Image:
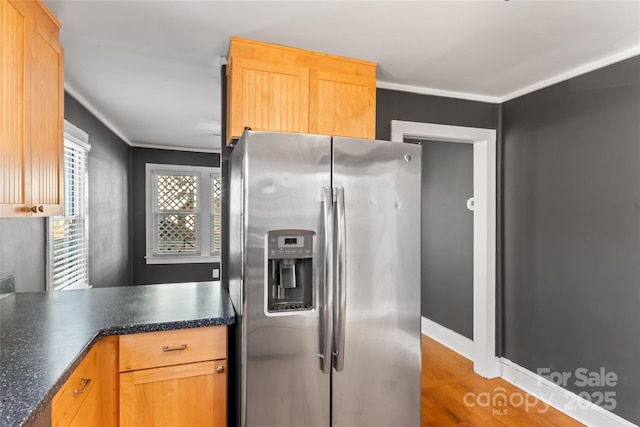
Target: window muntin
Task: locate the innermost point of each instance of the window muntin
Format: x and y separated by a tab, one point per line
183	214
216	216
176	213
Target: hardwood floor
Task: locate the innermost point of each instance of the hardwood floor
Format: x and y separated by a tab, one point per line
453	395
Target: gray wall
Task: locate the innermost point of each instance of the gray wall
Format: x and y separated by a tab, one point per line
395	105
22	252
144	273
447	235
572	229
109	227
456	312
23	241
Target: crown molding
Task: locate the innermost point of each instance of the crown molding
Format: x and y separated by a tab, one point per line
176	148
575	72
93	110
438	92
558	78
583	69
86	104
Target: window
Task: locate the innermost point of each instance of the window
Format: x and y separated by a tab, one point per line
183	214
68	235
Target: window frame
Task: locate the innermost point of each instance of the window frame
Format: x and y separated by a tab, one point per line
206	211
76	139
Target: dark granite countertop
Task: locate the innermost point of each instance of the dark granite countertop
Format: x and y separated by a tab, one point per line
45	335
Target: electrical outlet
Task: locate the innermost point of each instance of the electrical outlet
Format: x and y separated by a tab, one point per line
216	273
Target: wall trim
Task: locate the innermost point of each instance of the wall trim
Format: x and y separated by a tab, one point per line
558	78
175	148
86	104
560	398
438	92
485	362
542	389
575	72
445	336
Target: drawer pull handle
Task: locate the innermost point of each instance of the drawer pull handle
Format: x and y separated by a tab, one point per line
84	382
182	347
220	369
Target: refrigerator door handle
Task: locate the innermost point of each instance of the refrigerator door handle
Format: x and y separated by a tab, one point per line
326	310
341	290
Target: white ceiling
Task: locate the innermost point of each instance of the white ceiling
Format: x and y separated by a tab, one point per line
150	69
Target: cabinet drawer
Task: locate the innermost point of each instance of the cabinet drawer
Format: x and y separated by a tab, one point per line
182	395
155	349
73	393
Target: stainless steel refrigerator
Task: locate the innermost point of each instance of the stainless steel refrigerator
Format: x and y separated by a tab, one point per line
324	275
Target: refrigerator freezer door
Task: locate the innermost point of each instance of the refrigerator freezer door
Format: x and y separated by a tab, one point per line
379	384
284	175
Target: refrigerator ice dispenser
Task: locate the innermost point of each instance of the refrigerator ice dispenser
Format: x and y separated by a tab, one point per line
289	280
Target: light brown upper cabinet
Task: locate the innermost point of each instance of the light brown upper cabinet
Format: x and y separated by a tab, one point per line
31	110
278	88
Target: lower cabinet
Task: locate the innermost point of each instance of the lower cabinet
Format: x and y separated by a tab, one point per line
90	413
77	394
174	378
170	378
89	397
181	395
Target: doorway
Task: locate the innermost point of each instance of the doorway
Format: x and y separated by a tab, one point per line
447	242
483	142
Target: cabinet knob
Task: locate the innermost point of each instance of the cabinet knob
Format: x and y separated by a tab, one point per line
220	369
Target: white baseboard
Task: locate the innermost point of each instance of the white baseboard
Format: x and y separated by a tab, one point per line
456	342
560	398
544	390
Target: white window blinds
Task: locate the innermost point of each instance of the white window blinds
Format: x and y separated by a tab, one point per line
68	242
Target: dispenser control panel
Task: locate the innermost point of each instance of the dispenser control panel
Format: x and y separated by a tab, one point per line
288	283
290	244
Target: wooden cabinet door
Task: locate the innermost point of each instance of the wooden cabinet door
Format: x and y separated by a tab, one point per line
76	390
46	104
190	395
12	108
90	412
265	96
107	361
31	111
342	104
95	402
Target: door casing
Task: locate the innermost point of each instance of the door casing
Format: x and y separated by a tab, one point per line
485	362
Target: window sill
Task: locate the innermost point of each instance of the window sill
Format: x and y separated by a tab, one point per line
184	259
75	286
